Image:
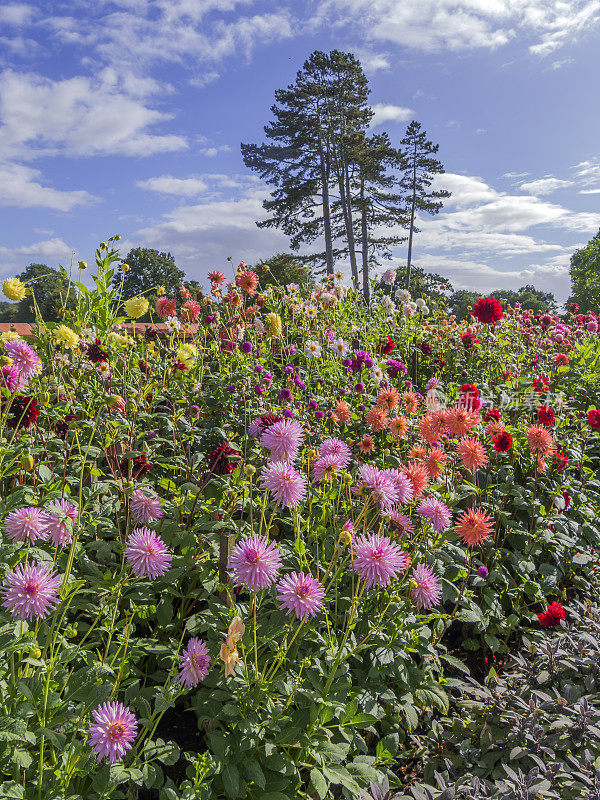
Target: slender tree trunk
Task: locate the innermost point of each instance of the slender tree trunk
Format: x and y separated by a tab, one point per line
412	220
350	228
324	169
364	235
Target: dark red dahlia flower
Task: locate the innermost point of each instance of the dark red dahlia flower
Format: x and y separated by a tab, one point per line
96	353
219	461
560	461
468	340
425	348
23	412
488	310
503	442
139	466
468	397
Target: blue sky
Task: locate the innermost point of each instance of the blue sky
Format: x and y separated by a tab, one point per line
126	117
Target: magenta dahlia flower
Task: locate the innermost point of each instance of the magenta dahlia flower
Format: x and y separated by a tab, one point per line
113	731
378	560
194	664
147	554
26	525
30	591
336	447
438	514
286	485
23	357
283	439
300	593
427	591
61	516
145	506
255	562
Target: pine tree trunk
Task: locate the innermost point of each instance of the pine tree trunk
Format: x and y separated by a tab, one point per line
324	169
350	229
364	233
412	221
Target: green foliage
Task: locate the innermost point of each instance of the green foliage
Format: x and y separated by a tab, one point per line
283	269
148	269
585	275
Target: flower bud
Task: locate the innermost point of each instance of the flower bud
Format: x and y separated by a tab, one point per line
345	538
27	462
249	470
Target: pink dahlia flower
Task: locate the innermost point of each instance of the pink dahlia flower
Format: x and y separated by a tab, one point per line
145	506
330	465
403	484
190	311
377	560
300	593
30	591
147	554
26	525
428	590
336	447
283	439
61	516
113	731
255	562
9	378
380	485
24	358
286	485
194	664
438	514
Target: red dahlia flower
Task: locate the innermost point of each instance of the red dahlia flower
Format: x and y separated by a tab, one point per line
468	397
560	461
96	353
468	340
593	417
219	462
552	617
546	415
490	414
386	346
488	310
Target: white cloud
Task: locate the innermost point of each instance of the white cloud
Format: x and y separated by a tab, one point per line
545	186
386	112
167	184
432	25
589	191
16	14
15	259
20	186
76	117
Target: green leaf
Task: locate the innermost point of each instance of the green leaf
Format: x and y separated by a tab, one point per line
320	785
231	780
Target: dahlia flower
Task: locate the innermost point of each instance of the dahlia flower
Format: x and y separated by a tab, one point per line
472	453
427	591
438	514
194	664
60	517
23	357
112	732
286	485
474	525
338	448
25	525
14	289
378	560
30	591
283	439
145	506
255	562
300	593
147	554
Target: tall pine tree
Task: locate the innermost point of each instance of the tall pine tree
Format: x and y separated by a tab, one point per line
307	156
419	170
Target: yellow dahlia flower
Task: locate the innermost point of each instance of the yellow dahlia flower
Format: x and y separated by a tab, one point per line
13	289
274	327
136	307
66	336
